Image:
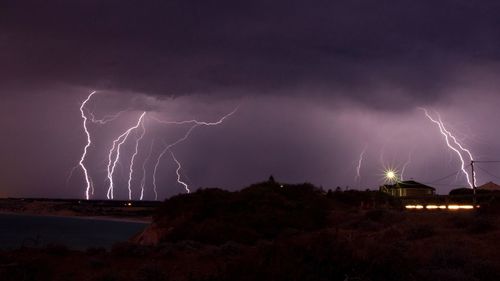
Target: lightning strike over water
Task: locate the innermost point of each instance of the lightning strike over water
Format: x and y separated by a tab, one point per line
131	165
114	153
143	180
177	171
117	143
88	180
169	146
447	135
165	150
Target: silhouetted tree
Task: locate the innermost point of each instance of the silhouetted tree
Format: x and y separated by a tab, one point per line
271	179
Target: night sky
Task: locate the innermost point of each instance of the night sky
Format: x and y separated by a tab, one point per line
316	82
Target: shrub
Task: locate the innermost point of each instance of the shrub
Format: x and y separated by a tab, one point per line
391	263
97	263
461	221
376	215
130	249
92	251
32	270
420	232
448	256
485	270
261	211
481	225
109	276
57	249
151	272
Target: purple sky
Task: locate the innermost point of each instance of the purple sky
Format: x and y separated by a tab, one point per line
317	82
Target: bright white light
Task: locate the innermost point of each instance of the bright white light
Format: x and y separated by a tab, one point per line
451	207
391	175
467	207
458	207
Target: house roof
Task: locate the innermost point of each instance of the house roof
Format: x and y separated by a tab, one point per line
409	184
489	186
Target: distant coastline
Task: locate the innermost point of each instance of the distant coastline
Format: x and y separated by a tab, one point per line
144	220
123	211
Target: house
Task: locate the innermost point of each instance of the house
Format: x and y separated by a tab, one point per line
489	186
408	189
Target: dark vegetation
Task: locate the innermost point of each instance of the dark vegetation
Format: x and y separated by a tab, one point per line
270	231
468	191
262	211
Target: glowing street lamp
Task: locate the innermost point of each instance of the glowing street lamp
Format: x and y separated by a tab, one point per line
391	176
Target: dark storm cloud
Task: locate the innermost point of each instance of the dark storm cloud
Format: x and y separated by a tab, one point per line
317	81
354	49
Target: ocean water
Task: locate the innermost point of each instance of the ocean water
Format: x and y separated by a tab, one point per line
76	233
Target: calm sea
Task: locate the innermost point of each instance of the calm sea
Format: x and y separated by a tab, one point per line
76	233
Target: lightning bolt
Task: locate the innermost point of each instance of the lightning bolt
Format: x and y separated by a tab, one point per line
177	171
113	157
106	118
143	180
88	180
87	116
167	148
194	121
467	151
131	165
447	136
117	143
358	167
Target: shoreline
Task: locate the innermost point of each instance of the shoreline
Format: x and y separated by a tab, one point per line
141	220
